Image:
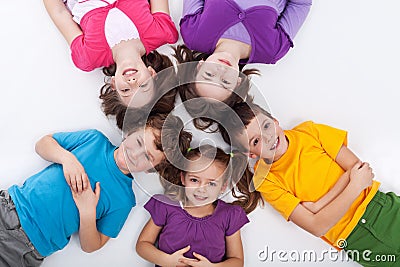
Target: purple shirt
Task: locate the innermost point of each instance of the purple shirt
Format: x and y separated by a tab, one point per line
205	235
279	27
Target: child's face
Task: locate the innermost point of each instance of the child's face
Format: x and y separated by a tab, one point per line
134	85
204	186
138	152
266	138
216	78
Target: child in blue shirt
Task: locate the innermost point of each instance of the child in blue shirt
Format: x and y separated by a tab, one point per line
88	189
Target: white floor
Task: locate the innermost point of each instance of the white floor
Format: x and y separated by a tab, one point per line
343	71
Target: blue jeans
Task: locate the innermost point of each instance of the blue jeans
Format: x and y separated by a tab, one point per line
15	248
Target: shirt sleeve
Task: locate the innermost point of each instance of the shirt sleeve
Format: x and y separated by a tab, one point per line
331	139
192	6
279	198
293	16
80	55
157	210
72	140
112	223
237	218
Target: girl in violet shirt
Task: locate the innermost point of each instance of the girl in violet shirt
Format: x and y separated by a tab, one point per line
120	35
191	226
233	32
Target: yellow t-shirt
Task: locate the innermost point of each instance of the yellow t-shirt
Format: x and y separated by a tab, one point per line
306	172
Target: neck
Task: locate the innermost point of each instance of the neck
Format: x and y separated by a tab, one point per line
237	49
200	211
121	165
131	50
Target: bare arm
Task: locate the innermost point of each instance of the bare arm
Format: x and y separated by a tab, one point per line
146	249
62	18
319	223
75	175
159	6
90	238
346	159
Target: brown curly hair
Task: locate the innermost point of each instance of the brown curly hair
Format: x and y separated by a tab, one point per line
112	105
236	168
201	109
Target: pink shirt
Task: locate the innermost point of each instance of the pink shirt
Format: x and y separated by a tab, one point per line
91	49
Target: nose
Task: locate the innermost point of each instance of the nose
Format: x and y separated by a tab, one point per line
137	153
201	188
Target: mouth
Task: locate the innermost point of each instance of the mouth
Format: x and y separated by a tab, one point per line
200	198
226	62
276	144
129	72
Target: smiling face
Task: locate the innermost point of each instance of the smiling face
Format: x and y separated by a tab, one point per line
217	77
134	85
266	139
203	186
138	152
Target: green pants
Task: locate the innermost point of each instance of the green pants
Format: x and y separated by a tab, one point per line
375	241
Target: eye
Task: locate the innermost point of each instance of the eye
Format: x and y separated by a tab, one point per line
209	74
225	82
147	157
139	142
213	184
143	85
193	180
255	142
266	126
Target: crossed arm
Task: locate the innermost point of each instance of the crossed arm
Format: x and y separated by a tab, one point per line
321	216
146	249
85	198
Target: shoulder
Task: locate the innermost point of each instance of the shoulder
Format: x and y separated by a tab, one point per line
230	209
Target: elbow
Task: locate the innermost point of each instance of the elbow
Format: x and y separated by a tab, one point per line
90	249
319	228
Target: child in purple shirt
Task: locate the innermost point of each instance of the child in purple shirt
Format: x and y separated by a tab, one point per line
236	32
191	225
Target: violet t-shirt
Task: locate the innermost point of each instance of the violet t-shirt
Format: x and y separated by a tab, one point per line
205	235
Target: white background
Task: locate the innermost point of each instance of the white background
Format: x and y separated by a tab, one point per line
343	71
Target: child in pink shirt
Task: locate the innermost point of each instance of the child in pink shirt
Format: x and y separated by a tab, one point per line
103	32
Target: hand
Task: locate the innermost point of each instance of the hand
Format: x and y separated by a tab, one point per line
311	206
200	262
361	175
173	259
86	201
75	174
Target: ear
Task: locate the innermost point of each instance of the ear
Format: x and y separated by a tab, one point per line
239	81
152	71
182	179
224	186
252	155
199	64
113	83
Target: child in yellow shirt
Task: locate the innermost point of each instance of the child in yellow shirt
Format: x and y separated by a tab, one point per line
313	179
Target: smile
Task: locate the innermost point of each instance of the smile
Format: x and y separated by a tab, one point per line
129	72
226	62
275	144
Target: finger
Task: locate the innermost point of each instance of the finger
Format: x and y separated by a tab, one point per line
357	165
79	183
200	257
85	181
97	190
73	183
187	261
185	249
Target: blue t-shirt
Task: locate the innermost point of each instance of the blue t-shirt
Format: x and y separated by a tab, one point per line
44	202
